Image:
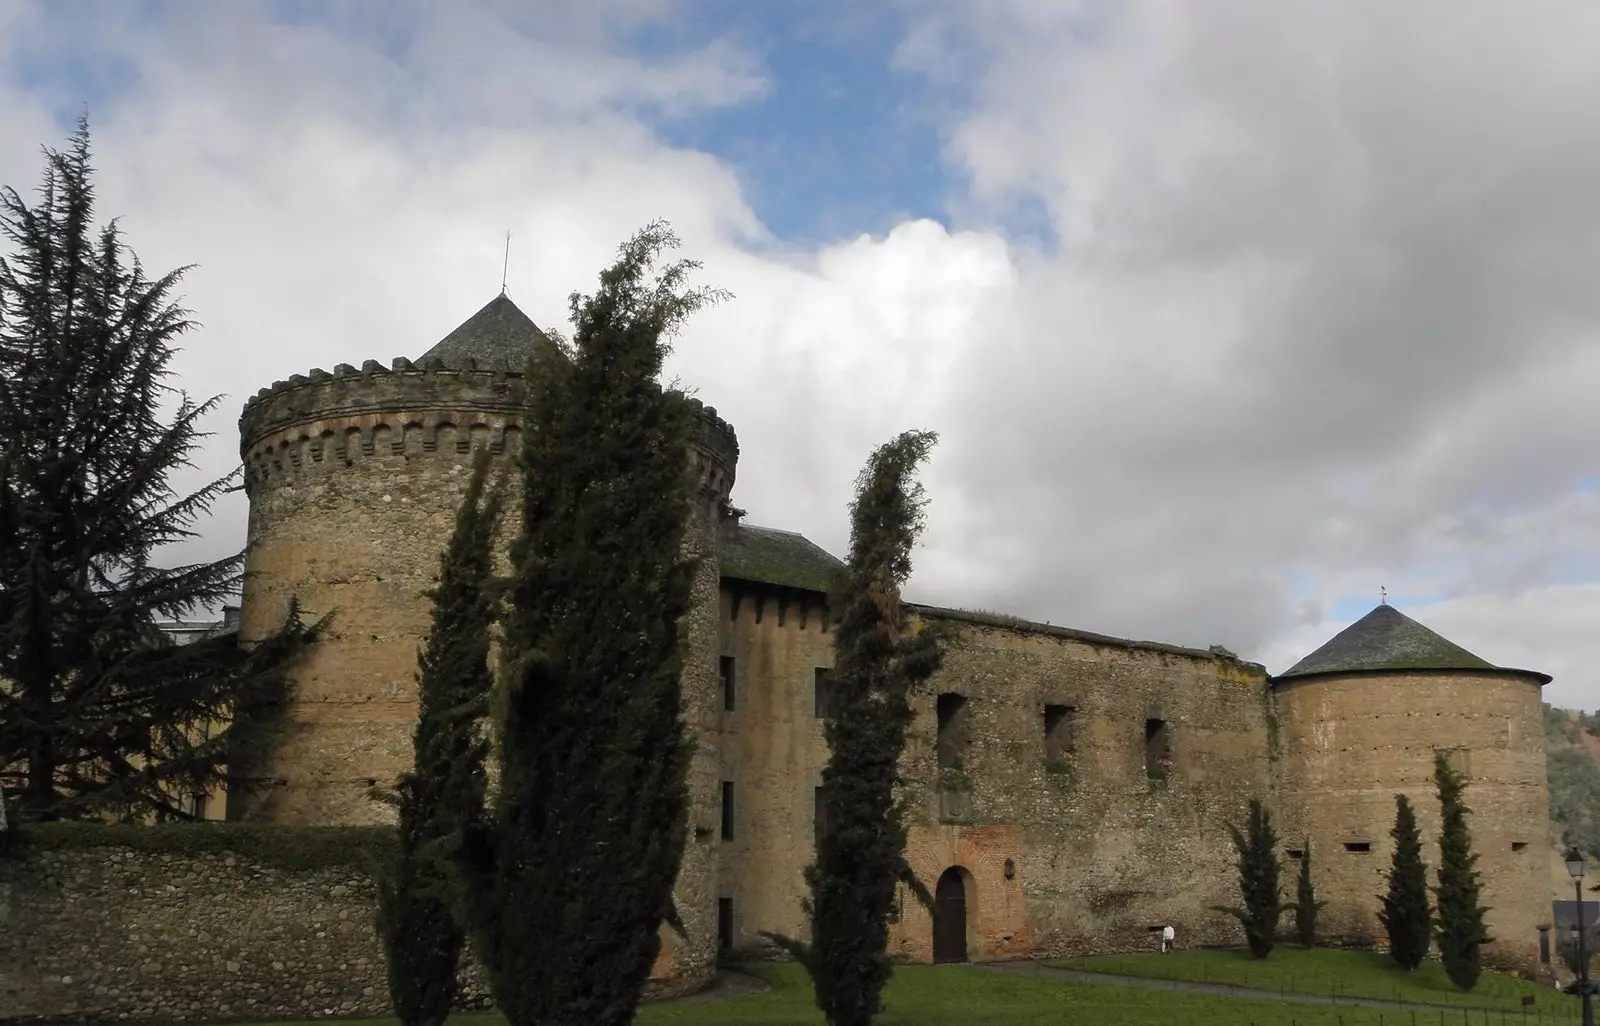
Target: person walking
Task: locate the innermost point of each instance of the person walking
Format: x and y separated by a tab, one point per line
1169	938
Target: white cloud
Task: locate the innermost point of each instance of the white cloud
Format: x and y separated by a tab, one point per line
1323	315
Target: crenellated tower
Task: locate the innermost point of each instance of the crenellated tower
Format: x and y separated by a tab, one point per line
354	478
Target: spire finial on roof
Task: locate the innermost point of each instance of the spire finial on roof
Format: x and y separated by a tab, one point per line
506	266
1383	595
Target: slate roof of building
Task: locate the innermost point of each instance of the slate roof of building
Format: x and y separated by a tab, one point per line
766	555
498	335
1387	639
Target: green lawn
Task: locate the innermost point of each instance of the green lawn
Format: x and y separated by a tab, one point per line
1365	974
963	996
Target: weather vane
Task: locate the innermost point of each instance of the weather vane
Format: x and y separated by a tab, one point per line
1383	595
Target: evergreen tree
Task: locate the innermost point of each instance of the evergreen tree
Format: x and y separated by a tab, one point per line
1461	929
99	712
1258	881
573	873
1405	913
1306	905
877	666
444	792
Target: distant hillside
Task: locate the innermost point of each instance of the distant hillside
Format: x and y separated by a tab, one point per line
1573	753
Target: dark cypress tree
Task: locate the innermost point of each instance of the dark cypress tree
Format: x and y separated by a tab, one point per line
417	904
1258	881
101	713
1306	905
1405	913
1460	930
877	666
573	872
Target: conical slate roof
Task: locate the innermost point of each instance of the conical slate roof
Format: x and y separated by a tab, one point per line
498	335
1386	639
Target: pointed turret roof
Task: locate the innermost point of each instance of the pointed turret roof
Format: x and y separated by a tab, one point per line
1387	639
499	334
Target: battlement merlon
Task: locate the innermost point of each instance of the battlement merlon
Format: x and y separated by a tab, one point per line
405	386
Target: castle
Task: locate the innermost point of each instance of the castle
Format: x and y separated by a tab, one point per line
1069	792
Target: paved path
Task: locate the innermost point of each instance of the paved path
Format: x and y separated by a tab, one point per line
726	984
1040	970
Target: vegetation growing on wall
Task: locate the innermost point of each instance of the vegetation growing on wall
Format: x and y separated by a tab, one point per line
1460	928
572	873
1306	905
295	849
99	712
1257	847
1405	914
861	852
417	904
1574	778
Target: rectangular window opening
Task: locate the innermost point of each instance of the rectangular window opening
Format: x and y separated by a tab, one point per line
727	810
1157	748
724	924
952	743
822	693
1296	853
1519	845
1358	846
1058	732
727	682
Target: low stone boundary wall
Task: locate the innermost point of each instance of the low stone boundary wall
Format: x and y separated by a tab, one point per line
203	921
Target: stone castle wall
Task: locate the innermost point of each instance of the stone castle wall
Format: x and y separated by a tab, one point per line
354	481
1352	742
1099	851
122	933
773	754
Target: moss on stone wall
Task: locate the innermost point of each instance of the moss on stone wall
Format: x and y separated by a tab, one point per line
299	849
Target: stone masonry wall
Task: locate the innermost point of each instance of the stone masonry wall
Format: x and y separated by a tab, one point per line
773	754
354	481
126	933
1100	852
1353	741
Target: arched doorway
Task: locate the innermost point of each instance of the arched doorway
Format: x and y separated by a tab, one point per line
950	918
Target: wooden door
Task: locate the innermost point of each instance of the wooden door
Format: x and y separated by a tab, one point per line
950	918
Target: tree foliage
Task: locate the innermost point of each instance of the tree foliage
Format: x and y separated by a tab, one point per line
99	712
572	873
1574	779
860	859
1460	922
417	905
1257	847
1306	905
1405	914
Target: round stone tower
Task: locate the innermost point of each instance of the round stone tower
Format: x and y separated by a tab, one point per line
1361	719
354	478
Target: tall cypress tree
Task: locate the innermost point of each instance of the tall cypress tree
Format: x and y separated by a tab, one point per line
1461	930
861	851
101	713
444	792
1306	905
1257	847
573	872
1405	914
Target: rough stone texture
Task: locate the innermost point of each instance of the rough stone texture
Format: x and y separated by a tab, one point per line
354	479
1353	741
108	933
1101	851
